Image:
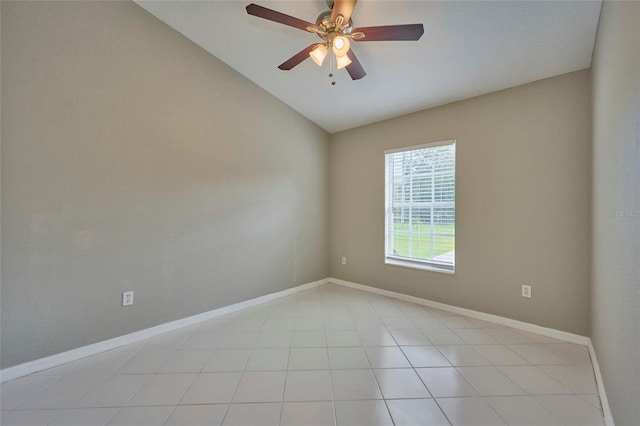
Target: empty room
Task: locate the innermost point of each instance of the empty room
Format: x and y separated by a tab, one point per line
320	212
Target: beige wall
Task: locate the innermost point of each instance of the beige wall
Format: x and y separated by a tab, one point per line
134	160
615	296
522	199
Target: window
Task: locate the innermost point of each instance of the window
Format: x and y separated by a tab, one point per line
420	206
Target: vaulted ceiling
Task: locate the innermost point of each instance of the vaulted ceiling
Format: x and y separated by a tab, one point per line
469	48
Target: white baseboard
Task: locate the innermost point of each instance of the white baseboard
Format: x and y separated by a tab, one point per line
95	348
604	401
520	325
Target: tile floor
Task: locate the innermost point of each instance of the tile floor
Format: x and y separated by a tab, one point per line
330	355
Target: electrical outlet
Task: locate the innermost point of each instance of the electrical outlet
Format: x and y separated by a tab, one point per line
526	290
127	298
344	260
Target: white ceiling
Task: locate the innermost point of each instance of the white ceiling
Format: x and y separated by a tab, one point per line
469	48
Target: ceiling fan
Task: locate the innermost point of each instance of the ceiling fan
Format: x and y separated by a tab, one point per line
335	28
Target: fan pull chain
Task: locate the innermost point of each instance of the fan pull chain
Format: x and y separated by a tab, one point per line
331	59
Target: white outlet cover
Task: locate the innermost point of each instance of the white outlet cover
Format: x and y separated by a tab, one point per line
344	260
526	291
127	298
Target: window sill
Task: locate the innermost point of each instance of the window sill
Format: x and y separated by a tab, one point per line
419	265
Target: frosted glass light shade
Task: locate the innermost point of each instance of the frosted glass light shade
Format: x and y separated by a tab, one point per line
318	54
342	61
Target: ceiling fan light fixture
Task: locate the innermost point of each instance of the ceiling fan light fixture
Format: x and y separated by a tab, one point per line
342	61
341	45
318	54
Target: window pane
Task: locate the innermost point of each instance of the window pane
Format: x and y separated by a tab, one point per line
420	194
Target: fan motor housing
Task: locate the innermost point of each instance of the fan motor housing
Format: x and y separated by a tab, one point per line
323	21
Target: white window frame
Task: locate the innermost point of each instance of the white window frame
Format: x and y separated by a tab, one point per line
390	259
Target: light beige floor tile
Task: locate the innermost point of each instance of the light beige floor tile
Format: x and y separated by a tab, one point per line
572	354
400	383
339	323
115	391
368	323
308	359
142	416
63	393
163	389
308	339
253	414
307	414
348	358
462	355
167	341
197	415
268	360
354	384
469	411
593	399
533	380
16	391
412	310
410	338
571	377
415	412
499	355
238	340
442	336
475	336
376	338
537	338
202	341
429	323
276	323
212	388
214	325
308	386
445	382
506	336
387	357
537	354
145	362
522	410
571	410
425	356
343	338
86	417
456	322
362	413
247	324
399	323
489	381
186	361
30	417
227	360
274	339
308	323
260	386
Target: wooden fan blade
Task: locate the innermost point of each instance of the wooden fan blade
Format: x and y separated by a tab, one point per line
344	8
297	58
354	69
272	15
390	32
